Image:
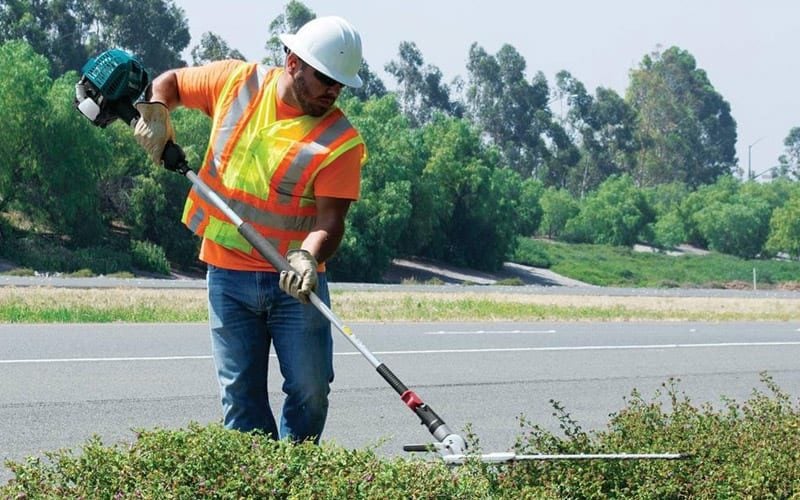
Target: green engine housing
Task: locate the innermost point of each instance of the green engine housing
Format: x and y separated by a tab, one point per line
118	75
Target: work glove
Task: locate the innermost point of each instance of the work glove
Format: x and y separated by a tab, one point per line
153	129
301	280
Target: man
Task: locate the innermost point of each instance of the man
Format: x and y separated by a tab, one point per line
286	159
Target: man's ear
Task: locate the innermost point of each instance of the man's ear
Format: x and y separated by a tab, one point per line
292	63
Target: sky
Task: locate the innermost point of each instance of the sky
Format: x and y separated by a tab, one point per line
747	48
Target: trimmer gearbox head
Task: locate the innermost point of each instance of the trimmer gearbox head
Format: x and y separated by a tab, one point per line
110	83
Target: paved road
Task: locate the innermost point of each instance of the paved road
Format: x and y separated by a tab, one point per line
60	384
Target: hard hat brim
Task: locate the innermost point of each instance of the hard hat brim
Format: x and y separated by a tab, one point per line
288	40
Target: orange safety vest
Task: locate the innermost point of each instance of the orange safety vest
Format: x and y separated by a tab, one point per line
262	168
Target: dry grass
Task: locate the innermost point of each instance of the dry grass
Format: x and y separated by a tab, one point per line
499	306
104	298
190	305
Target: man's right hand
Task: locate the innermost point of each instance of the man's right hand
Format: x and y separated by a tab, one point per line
153	129
301	280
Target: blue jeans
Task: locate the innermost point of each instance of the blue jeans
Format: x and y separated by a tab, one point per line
247	313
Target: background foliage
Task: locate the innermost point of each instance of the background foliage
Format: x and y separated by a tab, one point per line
459	171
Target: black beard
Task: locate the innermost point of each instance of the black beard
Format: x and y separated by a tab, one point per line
302	94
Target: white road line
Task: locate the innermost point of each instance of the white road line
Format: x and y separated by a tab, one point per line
99	360
431	351
481	332
585	348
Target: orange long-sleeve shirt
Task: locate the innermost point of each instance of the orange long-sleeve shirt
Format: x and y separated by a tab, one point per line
200	88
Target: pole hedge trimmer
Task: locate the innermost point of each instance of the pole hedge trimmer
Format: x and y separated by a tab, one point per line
109	86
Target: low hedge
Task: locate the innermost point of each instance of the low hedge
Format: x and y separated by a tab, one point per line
736	450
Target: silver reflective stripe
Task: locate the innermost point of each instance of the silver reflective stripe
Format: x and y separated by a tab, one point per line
227	124
212	164
271	219
196	219
263	217
261	73
303	158
300	162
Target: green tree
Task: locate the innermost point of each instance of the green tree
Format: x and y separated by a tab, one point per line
67	170
513	114
729	217
775	193
602	127
213	48
721	191
784	229
23	116
421	90
789	162
468	197
666	198
525	195
616	214
158	40
558	207
68	31
684	126
379	220
152	198
295	15
739	229
49	154
669	229
373	86
54	29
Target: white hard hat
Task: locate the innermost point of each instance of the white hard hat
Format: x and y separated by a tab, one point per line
330	45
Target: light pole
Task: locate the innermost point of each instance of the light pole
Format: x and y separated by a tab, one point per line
749	156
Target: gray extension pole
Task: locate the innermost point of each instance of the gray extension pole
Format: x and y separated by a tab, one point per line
451	446
276	259
449	443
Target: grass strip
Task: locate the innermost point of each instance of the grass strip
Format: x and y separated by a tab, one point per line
67	305
62	305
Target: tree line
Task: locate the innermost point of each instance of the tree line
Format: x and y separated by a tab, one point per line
457	171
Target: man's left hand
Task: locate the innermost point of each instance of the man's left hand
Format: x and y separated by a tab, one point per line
302	279
153	129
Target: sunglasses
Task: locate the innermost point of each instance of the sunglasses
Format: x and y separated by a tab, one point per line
325	79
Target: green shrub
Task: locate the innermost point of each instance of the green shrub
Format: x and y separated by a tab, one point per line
616	214
668	231
735	228
46	253
212	462
741	450
532	253
20	271
149	257
99	259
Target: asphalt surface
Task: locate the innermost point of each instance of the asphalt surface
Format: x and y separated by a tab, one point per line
61	384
